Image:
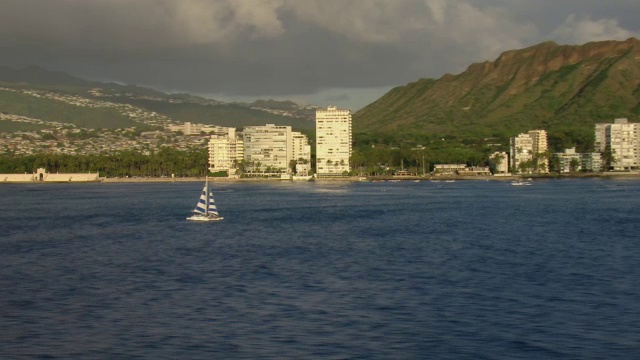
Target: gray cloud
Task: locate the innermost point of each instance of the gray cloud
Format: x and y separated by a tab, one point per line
295	48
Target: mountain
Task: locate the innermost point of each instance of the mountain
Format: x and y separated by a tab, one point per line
563	89
37	75
21	94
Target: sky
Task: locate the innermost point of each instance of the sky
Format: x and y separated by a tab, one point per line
346	53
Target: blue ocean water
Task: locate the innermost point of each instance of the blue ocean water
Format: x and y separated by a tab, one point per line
402	270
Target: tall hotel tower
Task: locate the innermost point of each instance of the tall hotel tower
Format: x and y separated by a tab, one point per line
333	141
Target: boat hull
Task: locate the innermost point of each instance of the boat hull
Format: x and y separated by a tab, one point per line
204	218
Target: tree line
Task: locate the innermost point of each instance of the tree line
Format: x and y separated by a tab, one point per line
131	163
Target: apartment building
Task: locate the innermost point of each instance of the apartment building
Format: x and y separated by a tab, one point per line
500	161
189	128
571	161
592	162
568	161
301	153
267	148
527	152
520	151
333	141
622	139
600	143
226	150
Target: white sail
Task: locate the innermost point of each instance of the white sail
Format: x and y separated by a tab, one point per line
206	209
201	206
212	205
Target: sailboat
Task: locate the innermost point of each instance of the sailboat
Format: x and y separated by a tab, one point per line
206	207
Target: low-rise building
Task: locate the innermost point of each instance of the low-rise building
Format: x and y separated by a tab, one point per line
448	169
592	162
475	171
500	161
571	161
568	161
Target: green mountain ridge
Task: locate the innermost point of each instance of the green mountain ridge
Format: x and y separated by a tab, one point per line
178	107
564	89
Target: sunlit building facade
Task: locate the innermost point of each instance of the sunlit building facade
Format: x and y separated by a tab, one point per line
333	141
622	139
225	151
527	152
301	153
267	148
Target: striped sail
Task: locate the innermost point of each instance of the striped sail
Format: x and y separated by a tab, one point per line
201	207
212	205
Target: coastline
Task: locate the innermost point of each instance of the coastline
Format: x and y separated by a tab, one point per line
387	178
607	175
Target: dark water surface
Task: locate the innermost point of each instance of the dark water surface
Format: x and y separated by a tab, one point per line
464	270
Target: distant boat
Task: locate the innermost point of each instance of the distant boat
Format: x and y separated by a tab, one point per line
302	177
520	183
206	207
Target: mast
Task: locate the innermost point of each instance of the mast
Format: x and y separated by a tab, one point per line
206	186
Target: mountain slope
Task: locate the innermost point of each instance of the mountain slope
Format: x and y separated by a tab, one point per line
564	89
21	97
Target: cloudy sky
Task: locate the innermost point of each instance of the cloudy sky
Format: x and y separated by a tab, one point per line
323	52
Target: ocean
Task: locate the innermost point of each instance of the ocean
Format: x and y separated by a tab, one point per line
325	270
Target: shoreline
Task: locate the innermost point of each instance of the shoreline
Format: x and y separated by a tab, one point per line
384	178
607	175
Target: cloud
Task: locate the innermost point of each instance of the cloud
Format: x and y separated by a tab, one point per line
275	48
583	29
144	24
479	33
371	21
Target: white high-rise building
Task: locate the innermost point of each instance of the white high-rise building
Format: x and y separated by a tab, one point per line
600	143
622	139
271	148
520	151
526	149
225	151
540	147
301	153
333	141
267	148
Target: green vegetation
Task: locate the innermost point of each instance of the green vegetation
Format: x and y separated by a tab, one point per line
15	126
179	107
565	90
59	111
380	154
231	115
127	163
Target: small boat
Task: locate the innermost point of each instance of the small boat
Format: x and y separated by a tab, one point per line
206	209
520	183
302	177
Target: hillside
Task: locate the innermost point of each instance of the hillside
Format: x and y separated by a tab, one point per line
22	90
563	89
